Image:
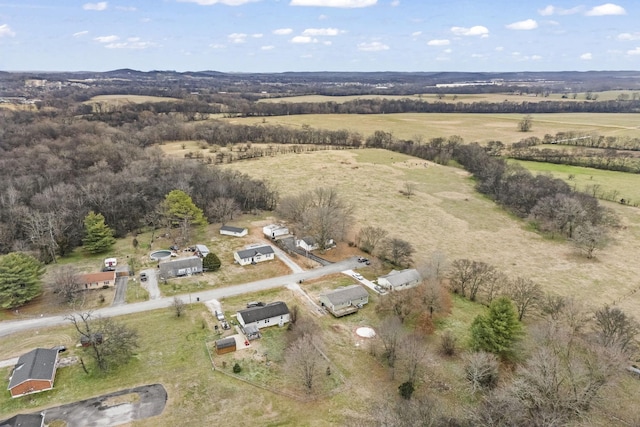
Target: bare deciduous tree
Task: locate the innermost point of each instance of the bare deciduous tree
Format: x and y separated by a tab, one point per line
481	370
470	277
525	295
616	329
303	361
111	343
390	333
66	283
178	306
222	209
369	237
589	239
413	351
397	251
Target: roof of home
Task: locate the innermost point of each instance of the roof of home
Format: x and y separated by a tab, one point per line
202	249
226	342
251	252
309	240
346	294
24	420
251	329
255	314
96	277
38	364
397	278
182	262
232	229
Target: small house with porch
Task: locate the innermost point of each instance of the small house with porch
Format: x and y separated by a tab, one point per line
254	255
228	230
273	231
181	267
225	345
345	300
34	372
275	313
104	279
398	280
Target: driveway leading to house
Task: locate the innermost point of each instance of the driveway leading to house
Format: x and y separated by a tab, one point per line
295	268
113	409
121	290
368	283
10	327
151	284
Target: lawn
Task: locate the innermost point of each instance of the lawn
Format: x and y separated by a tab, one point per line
471	127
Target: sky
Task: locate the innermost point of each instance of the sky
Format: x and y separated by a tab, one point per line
319	35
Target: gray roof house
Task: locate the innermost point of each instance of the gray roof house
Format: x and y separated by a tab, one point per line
202	251
397	280
229	230
34	372
180	267
345	300
275	313
254	255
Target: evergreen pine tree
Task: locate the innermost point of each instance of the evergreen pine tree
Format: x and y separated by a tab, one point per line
20	282
98	236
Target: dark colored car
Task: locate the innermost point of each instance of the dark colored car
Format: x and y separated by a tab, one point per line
143	277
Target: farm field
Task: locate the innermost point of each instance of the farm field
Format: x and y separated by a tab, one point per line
471	127
133	99
592	181
447	215
450	98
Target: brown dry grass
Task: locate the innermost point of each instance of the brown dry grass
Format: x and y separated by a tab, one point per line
446	214
131	99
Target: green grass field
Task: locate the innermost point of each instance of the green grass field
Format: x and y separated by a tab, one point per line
471	127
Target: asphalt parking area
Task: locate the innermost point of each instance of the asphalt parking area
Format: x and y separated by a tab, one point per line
112	409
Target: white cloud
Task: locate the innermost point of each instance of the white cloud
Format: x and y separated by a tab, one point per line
499	48
347	4
270	47
327	43
5	31
586	56
447	50
126	8
257	35
323	17
629	36
303	39
635	51
416	33
80	33
321	32
107	39
217	46
554	10
95	6
536	57
237	37
372	47
441	42
395	3
528	24
283	31
478	30
131	43
606	9
212	2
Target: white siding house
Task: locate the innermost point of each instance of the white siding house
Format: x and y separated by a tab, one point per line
181	267
397	280
254	255
228	230
274	230
275	313
346	300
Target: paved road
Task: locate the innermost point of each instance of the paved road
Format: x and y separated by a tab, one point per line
121	290
10	327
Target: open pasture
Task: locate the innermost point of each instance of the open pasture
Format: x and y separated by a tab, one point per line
471	127
446	214
131	99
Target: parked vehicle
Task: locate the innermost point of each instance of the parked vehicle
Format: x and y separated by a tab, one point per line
143	277
219	315
255	304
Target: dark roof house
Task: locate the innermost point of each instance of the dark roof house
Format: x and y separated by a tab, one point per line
253	255
181	267
275	313
34	372
229	230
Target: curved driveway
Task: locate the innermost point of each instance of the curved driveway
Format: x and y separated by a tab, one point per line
10	327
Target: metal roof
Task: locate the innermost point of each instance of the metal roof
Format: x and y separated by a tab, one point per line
346	294
398	278
255	314
232	229
251	252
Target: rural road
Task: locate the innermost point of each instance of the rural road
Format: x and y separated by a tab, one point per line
14	326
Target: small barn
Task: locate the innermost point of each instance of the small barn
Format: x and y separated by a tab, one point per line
345	300
398	280
181	267
254	255
273	231
228	230
225	345
34	372
275	313
202	251
105	279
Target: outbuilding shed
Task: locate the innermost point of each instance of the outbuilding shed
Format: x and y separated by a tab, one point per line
229	230
225	345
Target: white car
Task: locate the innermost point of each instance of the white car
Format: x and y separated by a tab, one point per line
358	276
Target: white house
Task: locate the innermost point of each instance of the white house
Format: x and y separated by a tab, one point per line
254	255
345	300
105	279
229	230
275	230
275	313
397	280
181	267
309	243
